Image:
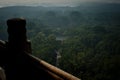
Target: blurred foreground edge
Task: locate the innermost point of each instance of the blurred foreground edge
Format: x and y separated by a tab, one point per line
16	57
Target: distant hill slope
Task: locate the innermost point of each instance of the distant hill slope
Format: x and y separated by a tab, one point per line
32	11
40	18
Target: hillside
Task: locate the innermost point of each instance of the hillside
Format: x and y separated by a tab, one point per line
87	37
62	17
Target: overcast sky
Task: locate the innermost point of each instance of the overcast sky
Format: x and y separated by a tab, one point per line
53	2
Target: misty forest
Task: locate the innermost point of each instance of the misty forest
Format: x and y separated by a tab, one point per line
82	40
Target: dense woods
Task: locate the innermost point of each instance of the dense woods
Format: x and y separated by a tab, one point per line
82	40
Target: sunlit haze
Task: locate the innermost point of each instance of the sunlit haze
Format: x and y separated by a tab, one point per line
50	2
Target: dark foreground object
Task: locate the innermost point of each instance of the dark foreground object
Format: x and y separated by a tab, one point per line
17	61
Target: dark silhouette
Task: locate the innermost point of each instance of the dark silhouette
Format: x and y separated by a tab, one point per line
17	65
16	62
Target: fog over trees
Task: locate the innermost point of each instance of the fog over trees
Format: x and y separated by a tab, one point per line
87	37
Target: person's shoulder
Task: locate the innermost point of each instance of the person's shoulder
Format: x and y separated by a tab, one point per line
2	44
2	74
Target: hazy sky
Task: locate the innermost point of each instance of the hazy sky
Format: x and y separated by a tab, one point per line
52	2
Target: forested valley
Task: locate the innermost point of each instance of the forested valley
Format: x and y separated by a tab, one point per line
82	40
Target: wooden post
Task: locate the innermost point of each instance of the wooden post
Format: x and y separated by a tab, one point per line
17	39
31	67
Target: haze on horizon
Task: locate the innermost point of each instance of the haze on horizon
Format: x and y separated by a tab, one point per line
51	2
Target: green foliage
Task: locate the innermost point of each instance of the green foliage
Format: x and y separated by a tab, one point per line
94	56
90	47
45	47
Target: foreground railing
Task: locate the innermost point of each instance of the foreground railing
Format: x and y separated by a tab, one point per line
54	71
18	61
